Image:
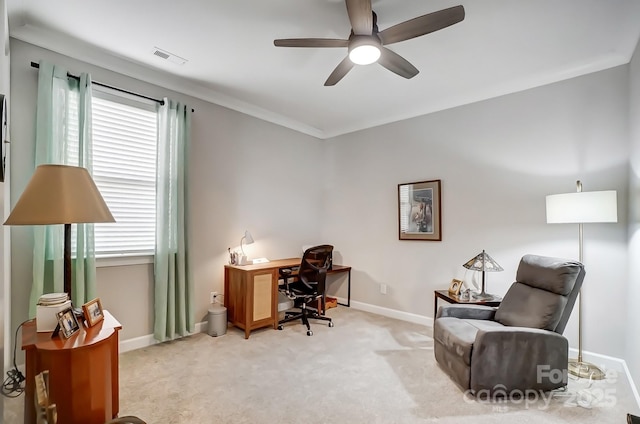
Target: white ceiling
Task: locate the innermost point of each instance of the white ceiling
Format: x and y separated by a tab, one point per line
502	46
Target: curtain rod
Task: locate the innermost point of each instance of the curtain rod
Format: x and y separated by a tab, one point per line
122	90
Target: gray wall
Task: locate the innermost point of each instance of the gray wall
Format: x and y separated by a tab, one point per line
497	160
633	287
244	174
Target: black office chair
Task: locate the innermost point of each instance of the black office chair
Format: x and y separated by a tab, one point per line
307	286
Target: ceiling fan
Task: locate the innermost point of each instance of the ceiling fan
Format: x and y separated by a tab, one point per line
366	43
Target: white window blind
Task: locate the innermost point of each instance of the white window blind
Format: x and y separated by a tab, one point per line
405	208
124	169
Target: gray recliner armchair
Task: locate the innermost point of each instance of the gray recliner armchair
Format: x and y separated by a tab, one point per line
517	346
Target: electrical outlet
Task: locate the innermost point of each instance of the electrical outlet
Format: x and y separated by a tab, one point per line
383	288
214	296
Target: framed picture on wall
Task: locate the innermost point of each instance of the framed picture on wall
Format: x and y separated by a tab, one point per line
419	211
93	313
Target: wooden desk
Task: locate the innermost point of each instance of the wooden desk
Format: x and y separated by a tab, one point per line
337	269
454	298
83	371
251	292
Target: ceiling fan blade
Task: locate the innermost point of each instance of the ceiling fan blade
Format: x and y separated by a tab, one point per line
397	64
422	25
310	42
360	16
340	71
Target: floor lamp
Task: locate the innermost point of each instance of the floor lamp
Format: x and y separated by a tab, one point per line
582	208
60	194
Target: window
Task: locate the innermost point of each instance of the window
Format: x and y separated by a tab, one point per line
405	208
124	169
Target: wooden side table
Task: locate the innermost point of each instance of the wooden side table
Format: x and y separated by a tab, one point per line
83	371
452	298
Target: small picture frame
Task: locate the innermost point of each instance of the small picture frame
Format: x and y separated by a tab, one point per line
93	313
67	322
455	286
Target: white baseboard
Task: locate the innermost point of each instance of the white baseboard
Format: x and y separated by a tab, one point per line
148	340
604	362
390	313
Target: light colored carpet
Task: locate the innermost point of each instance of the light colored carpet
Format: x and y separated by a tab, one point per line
367	369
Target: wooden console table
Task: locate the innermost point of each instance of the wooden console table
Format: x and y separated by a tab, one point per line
251	292
83	371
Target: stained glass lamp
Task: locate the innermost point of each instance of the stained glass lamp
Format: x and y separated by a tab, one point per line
485	263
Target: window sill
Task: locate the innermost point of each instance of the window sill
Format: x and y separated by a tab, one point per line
123	261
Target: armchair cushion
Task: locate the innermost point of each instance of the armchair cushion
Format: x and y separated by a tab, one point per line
551	274
467	311
525	306
458	335
543	294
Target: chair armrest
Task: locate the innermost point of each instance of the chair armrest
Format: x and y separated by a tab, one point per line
518	358
467	312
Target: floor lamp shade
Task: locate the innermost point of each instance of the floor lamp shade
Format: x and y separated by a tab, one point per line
582	207
60	194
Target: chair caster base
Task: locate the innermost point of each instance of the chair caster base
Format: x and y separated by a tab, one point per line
309	333
330	324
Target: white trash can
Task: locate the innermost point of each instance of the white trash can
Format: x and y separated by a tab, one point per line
217	325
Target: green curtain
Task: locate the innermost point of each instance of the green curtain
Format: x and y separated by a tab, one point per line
174	297
63	136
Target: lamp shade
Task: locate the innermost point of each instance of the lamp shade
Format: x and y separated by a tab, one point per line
248	239
582	207
60	194
483	262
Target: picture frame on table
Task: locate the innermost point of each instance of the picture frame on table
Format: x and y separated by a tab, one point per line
67	322
93	312
455	286
419	211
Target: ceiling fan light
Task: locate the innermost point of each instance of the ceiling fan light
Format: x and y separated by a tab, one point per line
364	54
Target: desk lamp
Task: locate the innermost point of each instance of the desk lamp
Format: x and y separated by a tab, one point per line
485	263
60	194
581	208
247	239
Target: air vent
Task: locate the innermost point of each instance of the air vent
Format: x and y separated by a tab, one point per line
169	56
161	54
